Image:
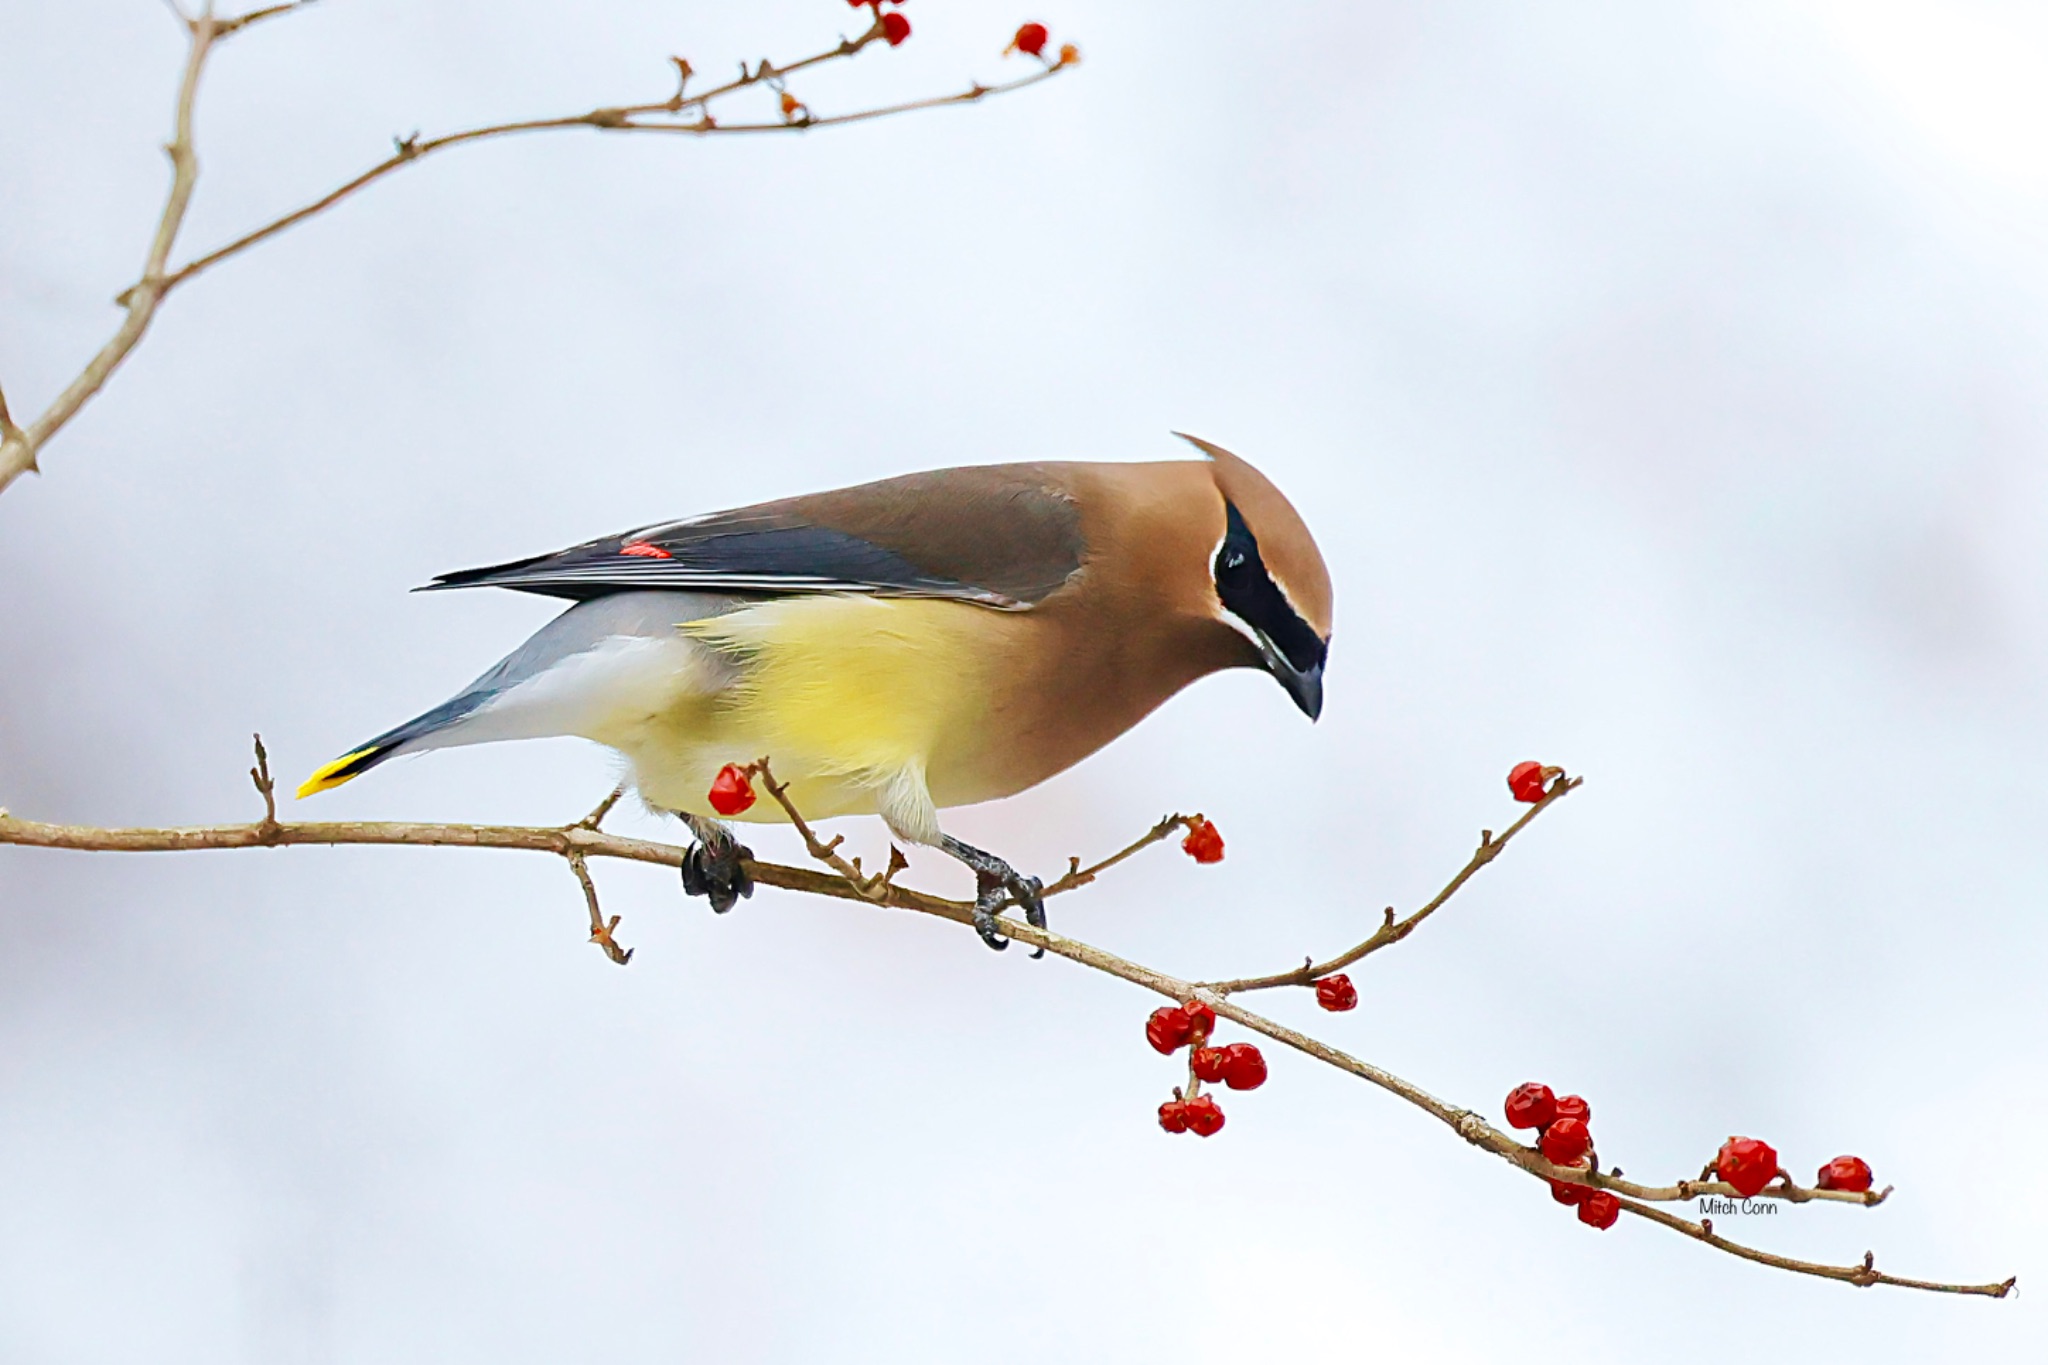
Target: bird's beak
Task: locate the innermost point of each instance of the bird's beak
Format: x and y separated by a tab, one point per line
1304	685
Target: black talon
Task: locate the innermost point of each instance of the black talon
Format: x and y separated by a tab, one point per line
715	866
997	884
988	894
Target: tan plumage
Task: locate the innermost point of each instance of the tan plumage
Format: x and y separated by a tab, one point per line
931	641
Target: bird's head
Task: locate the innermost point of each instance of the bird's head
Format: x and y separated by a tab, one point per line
1271	584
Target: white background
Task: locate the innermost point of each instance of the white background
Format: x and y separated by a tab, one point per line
1662	380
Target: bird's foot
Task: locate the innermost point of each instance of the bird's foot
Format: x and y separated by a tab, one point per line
715	866
997	884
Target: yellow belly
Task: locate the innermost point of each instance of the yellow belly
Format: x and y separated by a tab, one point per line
844	695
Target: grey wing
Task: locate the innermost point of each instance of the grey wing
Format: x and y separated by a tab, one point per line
1000	535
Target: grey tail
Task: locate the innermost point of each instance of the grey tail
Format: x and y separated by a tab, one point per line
364	757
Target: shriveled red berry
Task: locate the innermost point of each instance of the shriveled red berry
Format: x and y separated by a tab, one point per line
1336	993
1531	1105
1565	1141
1600	1210
731	791
1205	1118
1851	1173
1202	1017
1525	780
1748	1164
1207	1063
1572	1107
1203	843
1173	1116
1030	39
1169	1029
895	28
1244	1066
1565	1192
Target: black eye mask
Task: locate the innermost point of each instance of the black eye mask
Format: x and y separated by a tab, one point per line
1251	595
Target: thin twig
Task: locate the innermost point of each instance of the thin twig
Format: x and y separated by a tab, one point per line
265	787
1863	1275
223	27
576	843
607	117
19	446
600	927
1391	930
602	809
1078	876
970	95
874	888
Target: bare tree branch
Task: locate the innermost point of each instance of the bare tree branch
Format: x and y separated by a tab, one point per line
19	446
579	842
602	809
1862	1276
600	927
1077	876
1392	931
9	433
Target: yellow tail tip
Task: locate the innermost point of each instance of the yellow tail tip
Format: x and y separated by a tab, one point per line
331	775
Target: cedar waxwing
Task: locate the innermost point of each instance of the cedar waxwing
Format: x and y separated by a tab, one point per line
926	641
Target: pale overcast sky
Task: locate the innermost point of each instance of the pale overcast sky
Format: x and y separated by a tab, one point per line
1663	381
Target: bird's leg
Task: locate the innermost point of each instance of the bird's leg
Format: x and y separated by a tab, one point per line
712	867
993	879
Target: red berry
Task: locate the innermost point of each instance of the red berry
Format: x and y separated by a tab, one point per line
895	28
731	791
1204	1118
1336	993
1202	1017
1748	1164
1531	1106
1203	843
1525	780
1173	1116
1565	1192
1572	1107
1851	1173
1244	1067
1169	1029
1565	1141
1600	1210
1207	1063
1030	39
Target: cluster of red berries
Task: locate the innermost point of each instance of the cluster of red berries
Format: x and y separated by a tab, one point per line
1240	1066
1748	1164
1204	842
732	791
1565	1137
895	27
1531	780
